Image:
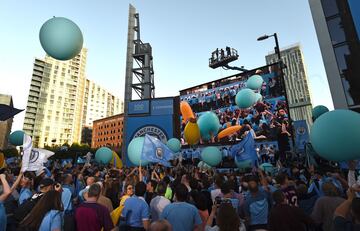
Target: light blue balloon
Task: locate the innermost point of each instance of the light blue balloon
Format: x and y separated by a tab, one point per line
254	82
245	98
134	151
267	167
203	165
103	155
244	164
318	111
211	156
16	138
258	97
61	38
174	144
208	123
335	135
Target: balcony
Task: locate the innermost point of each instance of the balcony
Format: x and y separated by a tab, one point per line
34	93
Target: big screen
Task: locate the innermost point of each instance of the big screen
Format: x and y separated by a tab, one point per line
269	118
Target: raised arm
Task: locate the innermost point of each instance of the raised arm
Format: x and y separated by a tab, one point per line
16	183
344	209
6	188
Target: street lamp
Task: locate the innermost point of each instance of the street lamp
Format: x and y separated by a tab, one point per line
277	48
282	82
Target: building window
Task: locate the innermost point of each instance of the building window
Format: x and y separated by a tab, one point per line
341	54
330	7
336	30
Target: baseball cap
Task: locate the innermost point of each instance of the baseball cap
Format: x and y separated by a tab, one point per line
46	182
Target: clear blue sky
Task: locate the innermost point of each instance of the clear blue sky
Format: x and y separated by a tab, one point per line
182	34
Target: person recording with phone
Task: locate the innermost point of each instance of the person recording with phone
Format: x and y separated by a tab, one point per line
226	218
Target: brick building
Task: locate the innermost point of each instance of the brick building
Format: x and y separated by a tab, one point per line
108	132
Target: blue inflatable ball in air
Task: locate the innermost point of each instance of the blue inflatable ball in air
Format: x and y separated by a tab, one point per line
134	151
335	135
267	167
211	156
208	124
258	97
318	111
245	98
174	144
254	82
17	138
103	155
244	164
61	38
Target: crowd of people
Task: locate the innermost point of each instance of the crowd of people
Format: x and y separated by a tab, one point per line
180	198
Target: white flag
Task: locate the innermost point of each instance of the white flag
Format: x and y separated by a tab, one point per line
33	159
26	153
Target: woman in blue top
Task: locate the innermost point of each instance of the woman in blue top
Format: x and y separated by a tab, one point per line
46	215
3	196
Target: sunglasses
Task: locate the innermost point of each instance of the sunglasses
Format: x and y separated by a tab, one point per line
129	188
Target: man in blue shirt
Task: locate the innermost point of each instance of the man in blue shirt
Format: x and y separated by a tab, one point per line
257	205
136	211
180	214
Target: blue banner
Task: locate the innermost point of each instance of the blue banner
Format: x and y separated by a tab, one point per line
162	107
139	107
301	134
245	150
156	151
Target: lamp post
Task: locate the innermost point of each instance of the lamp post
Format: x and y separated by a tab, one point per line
282	82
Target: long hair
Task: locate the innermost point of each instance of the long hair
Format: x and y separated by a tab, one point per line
227	219
49	201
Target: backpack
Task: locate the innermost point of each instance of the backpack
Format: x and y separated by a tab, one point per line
25	208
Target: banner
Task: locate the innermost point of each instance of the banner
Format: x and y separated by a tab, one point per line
301	134
33	159
156	151
245	150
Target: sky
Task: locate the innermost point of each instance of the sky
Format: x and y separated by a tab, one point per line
182	35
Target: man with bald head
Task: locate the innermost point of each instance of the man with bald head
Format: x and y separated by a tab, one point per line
160	225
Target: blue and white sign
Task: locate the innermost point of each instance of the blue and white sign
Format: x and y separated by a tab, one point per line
162	107
139	107
301	134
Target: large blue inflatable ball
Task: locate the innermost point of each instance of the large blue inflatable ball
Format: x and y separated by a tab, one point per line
103	155
335	135
134	151
245	98
267	167
61	38
318	111
244	164
254	82
211	156
258	97
17	138
208	124
174	144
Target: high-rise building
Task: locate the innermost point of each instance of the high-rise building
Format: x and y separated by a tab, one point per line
108	132
5	126
296	82
337	25
55	104
99	103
